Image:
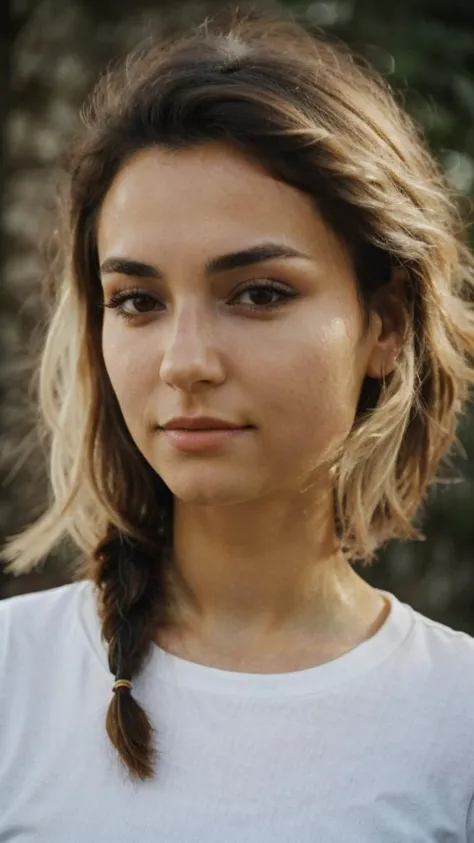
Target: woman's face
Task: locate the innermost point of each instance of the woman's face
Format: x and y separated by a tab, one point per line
204	341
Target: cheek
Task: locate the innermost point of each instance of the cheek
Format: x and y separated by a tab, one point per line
129	378
311	386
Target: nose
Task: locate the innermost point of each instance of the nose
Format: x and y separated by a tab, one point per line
191	353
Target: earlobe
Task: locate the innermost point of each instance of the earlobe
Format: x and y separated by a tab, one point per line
388	333
382	362
385	350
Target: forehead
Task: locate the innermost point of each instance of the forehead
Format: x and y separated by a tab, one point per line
211	196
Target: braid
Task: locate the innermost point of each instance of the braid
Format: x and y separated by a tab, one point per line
131	575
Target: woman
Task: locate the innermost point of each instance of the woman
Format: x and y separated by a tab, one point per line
259	349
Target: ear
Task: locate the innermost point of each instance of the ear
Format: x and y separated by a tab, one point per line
388	318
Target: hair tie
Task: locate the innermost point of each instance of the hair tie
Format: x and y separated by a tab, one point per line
122	683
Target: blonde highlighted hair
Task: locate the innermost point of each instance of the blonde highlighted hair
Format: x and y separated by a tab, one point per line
321	119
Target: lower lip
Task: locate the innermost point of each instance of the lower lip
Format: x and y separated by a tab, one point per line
202	440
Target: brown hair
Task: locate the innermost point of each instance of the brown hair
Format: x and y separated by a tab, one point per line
320	119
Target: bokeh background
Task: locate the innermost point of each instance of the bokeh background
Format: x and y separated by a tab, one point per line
51	52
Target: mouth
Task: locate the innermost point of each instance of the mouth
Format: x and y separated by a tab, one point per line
202	440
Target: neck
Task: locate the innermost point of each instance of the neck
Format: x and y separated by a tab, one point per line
267	570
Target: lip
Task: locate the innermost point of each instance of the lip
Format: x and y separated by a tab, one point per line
202	440
201	423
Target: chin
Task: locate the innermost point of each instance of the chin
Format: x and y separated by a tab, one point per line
211	491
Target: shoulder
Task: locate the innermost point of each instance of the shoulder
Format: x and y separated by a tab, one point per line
441	637
47	668
442	656
38	603
41	640
37	616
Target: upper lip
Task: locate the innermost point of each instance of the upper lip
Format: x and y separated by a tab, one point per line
199	423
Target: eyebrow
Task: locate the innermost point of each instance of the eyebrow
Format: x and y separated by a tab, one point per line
222	263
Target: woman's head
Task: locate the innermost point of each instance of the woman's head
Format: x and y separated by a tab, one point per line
287	361
264	104
232	136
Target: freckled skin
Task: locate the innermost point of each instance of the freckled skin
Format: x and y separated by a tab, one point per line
294	373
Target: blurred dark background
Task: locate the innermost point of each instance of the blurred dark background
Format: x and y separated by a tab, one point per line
50	54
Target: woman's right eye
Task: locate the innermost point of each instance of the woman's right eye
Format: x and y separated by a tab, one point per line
117	301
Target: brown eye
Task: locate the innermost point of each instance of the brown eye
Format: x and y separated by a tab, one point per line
142	303
262	296
281	295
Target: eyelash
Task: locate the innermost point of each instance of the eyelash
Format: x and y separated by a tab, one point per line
117	300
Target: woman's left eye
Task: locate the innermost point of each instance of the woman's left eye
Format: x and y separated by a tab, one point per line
137	298
267	290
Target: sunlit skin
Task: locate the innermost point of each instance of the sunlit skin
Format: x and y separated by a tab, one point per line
262	584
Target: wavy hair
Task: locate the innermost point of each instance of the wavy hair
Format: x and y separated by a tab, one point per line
319	117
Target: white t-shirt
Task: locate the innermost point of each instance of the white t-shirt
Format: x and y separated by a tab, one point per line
376	746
